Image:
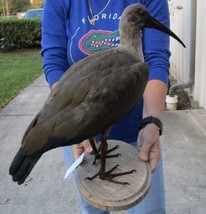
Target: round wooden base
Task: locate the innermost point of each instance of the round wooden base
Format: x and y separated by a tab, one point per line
110	196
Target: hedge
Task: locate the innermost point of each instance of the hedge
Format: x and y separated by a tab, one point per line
19	33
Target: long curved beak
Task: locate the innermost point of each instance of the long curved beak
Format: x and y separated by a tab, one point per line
153	23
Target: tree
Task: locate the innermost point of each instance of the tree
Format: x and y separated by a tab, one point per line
11	7
19	5
2	11
37	3
5	7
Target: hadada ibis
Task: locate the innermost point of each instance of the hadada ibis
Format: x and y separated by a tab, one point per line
91	96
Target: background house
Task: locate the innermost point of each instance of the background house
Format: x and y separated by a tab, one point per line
188	66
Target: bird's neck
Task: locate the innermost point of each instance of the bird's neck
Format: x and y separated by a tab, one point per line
133	43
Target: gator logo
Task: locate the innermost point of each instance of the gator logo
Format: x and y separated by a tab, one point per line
97	40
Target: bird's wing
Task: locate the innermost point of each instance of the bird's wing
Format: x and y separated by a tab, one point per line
90	97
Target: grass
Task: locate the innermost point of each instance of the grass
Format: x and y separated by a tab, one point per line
17	70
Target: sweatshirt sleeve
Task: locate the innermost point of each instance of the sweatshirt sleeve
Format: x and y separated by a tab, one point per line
54	40
156	43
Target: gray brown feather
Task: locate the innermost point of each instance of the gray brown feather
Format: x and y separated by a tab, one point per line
81	104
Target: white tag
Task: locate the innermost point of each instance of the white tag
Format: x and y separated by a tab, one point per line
74	166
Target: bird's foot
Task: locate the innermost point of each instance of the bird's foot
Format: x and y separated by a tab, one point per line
109	175
98	155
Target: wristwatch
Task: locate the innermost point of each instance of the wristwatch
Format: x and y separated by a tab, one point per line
151	119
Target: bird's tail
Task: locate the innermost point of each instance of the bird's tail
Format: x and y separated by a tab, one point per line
21	166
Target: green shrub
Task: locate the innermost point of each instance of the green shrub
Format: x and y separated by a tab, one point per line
19	33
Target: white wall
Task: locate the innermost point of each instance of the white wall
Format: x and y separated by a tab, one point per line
199	91
181	58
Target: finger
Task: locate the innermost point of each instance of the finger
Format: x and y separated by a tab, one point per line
144	152
78	149
154	157
87	146
153	164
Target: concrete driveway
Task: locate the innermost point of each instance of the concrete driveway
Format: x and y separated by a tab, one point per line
45	191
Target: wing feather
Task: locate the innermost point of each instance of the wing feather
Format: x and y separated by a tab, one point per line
91	96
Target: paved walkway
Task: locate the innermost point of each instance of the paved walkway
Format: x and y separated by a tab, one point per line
45	192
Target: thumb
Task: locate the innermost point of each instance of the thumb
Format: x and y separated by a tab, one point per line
144	152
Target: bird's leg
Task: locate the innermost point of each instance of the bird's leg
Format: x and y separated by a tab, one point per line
103	149
108	175
102	172
92	142
98	156
104	138
96	152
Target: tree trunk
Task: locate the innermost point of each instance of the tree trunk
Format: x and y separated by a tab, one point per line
3	9
7	8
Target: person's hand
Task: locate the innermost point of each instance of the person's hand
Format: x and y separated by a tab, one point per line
78	149
149	145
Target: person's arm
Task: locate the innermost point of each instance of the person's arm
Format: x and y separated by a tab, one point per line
54	40
156	52
148	139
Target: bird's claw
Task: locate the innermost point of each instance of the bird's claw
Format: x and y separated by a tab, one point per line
109	176
98	155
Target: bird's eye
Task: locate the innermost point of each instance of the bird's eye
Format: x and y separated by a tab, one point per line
142	12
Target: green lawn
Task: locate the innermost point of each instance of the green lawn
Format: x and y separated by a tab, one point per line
17	70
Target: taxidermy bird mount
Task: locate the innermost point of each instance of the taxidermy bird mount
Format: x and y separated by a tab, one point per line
80	106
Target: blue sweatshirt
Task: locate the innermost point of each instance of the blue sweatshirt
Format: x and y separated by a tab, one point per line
68	36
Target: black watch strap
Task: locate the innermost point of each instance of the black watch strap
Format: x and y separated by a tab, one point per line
150	119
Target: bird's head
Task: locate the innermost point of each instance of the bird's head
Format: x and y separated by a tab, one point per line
136	16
